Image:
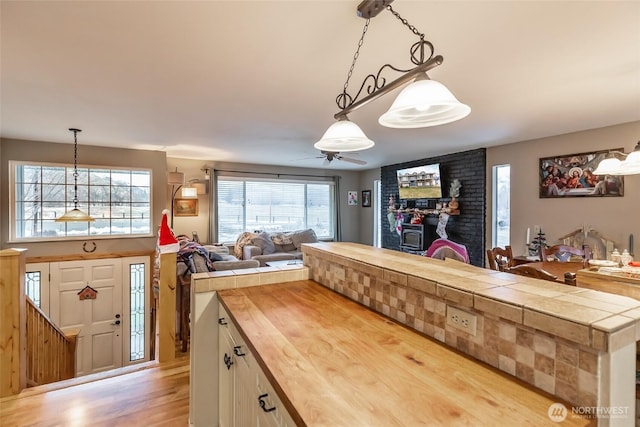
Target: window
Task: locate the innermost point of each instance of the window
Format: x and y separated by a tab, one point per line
137	311
245	204
501	205
118	199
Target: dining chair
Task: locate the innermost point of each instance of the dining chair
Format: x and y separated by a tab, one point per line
500	259
561	252
529	271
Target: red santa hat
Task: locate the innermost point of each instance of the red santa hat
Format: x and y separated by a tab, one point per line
166	240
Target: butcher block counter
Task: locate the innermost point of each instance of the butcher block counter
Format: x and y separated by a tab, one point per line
334	362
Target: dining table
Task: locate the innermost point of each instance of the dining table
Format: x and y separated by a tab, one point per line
558	268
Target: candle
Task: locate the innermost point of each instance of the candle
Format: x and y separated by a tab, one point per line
631	244
528	235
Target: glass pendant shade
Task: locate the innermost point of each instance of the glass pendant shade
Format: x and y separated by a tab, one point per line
631	165
75	215
608	166
424	103
343	136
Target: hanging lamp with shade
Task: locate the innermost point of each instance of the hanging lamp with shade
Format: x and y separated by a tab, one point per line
75	215
422	103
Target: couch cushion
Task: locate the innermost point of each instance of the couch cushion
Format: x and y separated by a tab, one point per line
264	242
303	236
235	265
283	242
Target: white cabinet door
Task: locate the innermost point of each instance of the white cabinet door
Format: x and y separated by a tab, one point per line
99	345
226	369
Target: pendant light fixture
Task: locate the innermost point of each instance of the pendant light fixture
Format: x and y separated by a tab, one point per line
611	165
75	215
423	103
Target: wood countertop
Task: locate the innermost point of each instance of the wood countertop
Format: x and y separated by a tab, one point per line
334	362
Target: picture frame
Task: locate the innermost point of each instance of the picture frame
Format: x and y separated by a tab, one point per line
185	207
571	175
366	198
352	198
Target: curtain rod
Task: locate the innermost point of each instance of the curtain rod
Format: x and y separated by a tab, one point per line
276	174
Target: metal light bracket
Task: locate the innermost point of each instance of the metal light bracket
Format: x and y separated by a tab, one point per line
374	84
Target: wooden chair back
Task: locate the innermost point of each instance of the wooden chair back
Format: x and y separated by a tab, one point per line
529	271
562	252
500	259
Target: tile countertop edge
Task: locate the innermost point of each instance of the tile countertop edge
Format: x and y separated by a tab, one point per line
399	264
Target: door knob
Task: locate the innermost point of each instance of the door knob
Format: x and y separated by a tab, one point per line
117	322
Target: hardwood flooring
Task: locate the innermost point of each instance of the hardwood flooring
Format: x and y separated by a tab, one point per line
155	396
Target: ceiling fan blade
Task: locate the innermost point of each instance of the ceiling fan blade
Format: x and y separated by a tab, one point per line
351	160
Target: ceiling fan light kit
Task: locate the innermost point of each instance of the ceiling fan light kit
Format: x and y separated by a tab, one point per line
423	103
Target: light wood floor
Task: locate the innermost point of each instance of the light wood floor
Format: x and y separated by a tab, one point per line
155	396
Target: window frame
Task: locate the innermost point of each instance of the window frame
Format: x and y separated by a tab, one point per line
294	179
13	204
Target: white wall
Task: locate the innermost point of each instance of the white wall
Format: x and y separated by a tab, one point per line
367	179
613	217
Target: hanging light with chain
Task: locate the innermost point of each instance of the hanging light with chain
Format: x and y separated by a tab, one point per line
422	103
75	215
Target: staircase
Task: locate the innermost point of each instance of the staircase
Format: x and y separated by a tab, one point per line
51	353
33	350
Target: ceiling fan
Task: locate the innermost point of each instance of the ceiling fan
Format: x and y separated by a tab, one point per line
329	156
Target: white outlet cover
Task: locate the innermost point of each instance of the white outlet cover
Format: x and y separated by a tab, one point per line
462	320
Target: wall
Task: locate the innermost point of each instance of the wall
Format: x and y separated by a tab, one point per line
367	181
467	228
87	155
613	217
349	180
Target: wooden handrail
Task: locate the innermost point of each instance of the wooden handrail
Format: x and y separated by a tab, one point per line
51	353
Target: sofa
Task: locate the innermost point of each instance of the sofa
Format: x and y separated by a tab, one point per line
275	246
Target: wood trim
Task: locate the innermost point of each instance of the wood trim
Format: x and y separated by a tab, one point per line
167	308
79	257
13	370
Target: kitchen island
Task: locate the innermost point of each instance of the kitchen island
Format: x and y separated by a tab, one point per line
334	362
575	344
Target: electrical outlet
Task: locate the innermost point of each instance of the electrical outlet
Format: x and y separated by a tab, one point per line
462	320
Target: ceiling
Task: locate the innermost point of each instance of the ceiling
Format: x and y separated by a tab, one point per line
256	81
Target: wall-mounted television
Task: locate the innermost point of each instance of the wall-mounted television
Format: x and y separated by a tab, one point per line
422	182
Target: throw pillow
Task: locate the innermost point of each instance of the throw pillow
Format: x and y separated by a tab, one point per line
303	236
264	242
282	239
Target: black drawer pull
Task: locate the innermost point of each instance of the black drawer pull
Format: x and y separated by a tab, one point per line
228	361
263	403
238	352
222	321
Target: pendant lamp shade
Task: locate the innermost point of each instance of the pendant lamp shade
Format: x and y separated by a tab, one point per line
343	136
424	103
75	215
608	166
631	165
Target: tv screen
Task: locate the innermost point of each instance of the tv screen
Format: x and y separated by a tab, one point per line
422	182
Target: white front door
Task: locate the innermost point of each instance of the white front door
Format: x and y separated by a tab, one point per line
100	320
